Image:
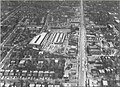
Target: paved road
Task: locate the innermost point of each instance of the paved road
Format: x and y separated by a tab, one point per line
11	13
10	35
81	49
2	63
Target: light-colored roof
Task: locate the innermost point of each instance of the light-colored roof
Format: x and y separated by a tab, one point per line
105	82
22	61
38	85
57	86
1	84
61	35
32	85
56	37
50	85
56	60
38	39
117	20
7	85
24	71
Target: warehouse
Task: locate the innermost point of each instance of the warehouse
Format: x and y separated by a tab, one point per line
37	40
59	38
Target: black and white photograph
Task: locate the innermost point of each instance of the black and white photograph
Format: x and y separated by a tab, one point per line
60	43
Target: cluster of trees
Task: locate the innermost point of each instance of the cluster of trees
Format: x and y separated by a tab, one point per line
98	11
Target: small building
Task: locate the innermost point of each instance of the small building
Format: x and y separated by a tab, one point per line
24	72
32	85
6	72
50	85
95	52
56	85
104	83
2	84
38	85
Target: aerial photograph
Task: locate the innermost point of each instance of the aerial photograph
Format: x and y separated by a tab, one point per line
60	43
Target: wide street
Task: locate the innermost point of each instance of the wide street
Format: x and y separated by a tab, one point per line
11	14
11	34
81	47
6	58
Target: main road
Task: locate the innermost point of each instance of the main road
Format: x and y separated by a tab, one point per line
2	63
10	35
11	14
82	59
